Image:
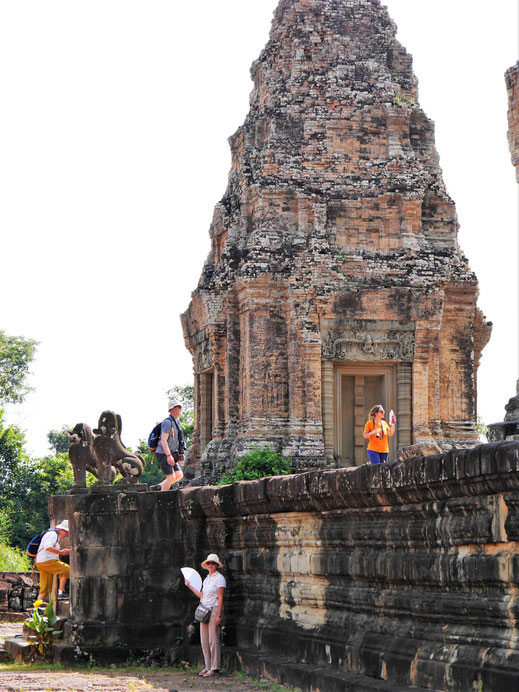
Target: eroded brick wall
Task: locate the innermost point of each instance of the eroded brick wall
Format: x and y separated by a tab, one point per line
407	573
512	85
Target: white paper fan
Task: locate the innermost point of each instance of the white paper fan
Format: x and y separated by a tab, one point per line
192	576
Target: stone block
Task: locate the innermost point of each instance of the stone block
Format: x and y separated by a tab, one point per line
507	458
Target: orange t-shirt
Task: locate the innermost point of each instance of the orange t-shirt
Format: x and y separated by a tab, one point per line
378	444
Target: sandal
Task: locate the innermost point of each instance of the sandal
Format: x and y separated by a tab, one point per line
203	672
210	673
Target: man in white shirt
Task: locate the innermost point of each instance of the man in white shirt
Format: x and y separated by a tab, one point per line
48	562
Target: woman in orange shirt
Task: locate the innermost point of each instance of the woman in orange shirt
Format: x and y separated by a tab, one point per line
377	432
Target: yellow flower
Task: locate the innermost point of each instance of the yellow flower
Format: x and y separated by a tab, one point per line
37	604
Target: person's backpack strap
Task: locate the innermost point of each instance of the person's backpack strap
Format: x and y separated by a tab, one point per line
35	542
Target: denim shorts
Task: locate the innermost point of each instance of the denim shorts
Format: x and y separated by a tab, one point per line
164	466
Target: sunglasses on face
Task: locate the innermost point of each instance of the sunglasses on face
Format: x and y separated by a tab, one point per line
210	563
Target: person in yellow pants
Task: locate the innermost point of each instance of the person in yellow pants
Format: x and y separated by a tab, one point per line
48	562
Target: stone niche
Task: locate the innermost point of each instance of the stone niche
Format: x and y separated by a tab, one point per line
334	280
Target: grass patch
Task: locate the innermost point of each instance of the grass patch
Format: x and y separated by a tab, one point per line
269	686
28	667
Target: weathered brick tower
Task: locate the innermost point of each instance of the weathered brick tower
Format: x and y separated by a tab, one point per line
334	280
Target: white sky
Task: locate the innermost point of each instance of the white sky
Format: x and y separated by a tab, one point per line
113	152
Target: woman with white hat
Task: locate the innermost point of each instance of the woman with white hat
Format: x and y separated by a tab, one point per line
211	596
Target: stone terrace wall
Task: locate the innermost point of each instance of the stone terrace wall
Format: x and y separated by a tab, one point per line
18	591
406	573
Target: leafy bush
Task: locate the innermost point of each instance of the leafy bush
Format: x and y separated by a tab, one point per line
258	463
14	559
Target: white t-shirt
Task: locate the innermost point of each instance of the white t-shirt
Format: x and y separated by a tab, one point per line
49	540
210	589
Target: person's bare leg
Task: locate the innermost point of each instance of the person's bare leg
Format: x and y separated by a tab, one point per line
168	481
171	479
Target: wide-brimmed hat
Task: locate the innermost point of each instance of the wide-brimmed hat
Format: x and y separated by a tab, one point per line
212	558
172	403
63	526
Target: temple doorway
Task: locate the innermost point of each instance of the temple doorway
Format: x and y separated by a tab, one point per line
356	389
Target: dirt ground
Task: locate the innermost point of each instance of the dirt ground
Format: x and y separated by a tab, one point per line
95	680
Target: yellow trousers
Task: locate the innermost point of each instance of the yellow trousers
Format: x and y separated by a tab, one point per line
47	570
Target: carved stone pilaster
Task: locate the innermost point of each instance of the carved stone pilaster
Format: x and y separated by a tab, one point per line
327	399
404	395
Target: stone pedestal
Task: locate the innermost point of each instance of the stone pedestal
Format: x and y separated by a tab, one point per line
126	552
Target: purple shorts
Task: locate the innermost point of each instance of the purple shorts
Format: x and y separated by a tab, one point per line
377	457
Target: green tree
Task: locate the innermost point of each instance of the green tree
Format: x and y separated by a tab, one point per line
59	440
14	477
26	485
16	354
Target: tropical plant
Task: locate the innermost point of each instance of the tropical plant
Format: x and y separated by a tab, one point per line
258	463
42	622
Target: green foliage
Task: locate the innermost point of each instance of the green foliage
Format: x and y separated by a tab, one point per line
402	100
26	485
258	463
184	394
16	354
481	427
152	473
59	440
42	622
175	586
268	686
14	559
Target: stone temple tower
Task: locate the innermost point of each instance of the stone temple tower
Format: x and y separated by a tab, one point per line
335	280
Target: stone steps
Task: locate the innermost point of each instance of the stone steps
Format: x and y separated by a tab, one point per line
286	671
19	649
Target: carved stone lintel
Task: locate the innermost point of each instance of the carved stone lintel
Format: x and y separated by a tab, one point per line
361	343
